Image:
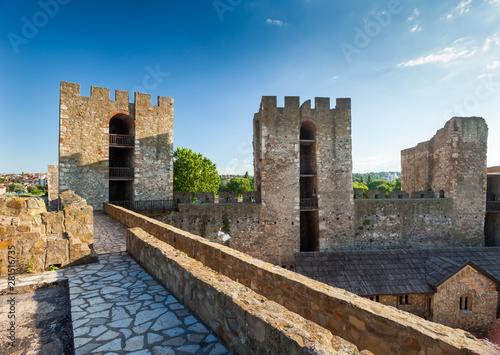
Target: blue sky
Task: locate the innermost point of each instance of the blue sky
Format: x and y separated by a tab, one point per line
407	65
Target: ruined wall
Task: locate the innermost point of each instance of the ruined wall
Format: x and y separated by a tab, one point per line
482	300
39	238
453	164
401	223
53	187
368	325
84	143
277	151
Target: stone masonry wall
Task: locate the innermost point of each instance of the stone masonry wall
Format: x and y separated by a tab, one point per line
378	223
84	143
277	172
40	238
53	187
482	301
453	163
242	221
248	323
366	324
402	223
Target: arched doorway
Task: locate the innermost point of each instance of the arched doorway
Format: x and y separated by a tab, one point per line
121	158
309	224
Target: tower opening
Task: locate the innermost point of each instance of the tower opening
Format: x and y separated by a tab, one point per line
121	158
309	222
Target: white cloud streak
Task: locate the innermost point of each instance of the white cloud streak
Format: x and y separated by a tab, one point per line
278	23
462	8
445	55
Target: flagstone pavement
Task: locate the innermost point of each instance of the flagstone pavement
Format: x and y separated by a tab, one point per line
118	308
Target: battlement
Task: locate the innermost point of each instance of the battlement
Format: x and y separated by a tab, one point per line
293	103
103	94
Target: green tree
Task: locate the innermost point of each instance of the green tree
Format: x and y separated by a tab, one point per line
360	185
16	187
194	173
34	190
369	180
246	175
239	185
397	185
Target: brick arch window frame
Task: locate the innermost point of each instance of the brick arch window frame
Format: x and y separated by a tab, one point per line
309	122
114	113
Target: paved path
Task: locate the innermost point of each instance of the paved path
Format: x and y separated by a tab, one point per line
118	308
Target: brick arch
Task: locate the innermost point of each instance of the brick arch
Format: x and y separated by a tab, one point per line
310	124
113	113
124	114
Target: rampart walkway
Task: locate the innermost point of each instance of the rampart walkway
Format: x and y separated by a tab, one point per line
118	308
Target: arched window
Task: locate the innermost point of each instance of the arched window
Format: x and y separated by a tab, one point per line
307	131
465	304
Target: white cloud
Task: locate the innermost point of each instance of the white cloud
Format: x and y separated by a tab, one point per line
445	55
415	28
493	40
416	13
462	8
492	2
333	79
493	65
275	22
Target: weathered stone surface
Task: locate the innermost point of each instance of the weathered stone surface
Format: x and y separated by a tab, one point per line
38	239
291	290
57	251
453	164
85	152
262	326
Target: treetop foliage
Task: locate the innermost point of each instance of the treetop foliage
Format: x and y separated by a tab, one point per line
194	172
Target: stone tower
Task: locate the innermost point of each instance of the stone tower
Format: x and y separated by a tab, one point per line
303	170
453	165
113	150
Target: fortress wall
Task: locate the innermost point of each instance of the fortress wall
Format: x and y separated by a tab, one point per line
402	223
453	163
248	322
368	325
242	221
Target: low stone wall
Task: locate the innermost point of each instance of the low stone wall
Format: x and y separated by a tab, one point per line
32	239
246	321
366	324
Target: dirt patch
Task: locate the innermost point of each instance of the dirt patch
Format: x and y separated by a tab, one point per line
42	321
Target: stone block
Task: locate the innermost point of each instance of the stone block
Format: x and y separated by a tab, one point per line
57	251
78	251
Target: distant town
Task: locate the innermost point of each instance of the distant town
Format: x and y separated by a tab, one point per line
31	184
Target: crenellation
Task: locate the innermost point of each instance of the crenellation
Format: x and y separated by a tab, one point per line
122	97
142	168
322	103
98	93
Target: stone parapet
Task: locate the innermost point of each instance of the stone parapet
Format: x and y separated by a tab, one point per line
248	322
368	325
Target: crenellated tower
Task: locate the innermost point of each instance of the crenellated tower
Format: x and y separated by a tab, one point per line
113	150
303	170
